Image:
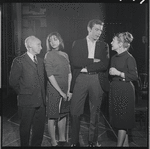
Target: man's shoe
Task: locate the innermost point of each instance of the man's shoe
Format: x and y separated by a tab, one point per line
98	145
91	144
75	145
55	146
62	143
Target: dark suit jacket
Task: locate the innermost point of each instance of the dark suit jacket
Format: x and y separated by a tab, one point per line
79	59
27	80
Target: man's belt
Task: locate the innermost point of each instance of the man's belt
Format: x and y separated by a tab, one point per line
119	79
89	73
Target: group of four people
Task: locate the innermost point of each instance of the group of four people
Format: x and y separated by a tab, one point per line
84	73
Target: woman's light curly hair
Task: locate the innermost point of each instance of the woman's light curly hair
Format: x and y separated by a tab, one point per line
126	38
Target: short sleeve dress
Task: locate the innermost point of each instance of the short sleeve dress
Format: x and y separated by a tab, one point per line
122	92
56	64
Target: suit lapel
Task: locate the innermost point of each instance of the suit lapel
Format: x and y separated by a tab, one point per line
40	70
38	65
29	60
85	48
97	49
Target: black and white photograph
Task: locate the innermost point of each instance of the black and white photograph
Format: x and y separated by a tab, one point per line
74	74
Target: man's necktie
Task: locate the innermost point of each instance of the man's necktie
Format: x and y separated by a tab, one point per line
35	60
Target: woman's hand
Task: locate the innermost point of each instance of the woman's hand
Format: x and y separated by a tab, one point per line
69	95
64	96
96	60
114	71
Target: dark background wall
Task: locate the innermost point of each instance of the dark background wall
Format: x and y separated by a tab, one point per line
70	20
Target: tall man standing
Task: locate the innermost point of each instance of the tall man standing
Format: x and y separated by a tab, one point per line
89	59
27	79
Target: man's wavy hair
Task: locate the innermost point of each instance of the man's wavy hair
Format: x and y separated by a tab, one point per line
91	23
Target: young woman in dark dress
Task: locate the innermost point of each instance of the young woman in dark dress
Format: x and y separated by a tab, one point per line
123	71
59	77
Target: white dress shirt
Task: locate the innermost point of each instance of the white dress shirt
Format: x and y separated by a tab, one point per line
31	56
91	50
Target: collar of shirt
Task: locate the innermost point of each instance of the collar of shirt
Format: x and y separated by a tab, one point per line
91	48
31	56
88	40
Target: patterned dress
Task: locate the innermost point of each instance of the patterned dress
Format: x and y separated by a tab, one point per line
122	92
56	64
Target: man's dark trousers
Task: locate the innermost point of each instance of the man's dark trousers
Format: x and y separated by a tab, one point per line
86	84
31	117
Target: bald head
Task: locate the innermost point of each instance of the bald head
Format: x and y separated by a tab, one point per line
33	45
29	41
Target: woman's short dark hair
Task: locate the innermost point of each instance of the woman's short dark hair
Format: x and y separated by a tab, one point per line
91	23
61	45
